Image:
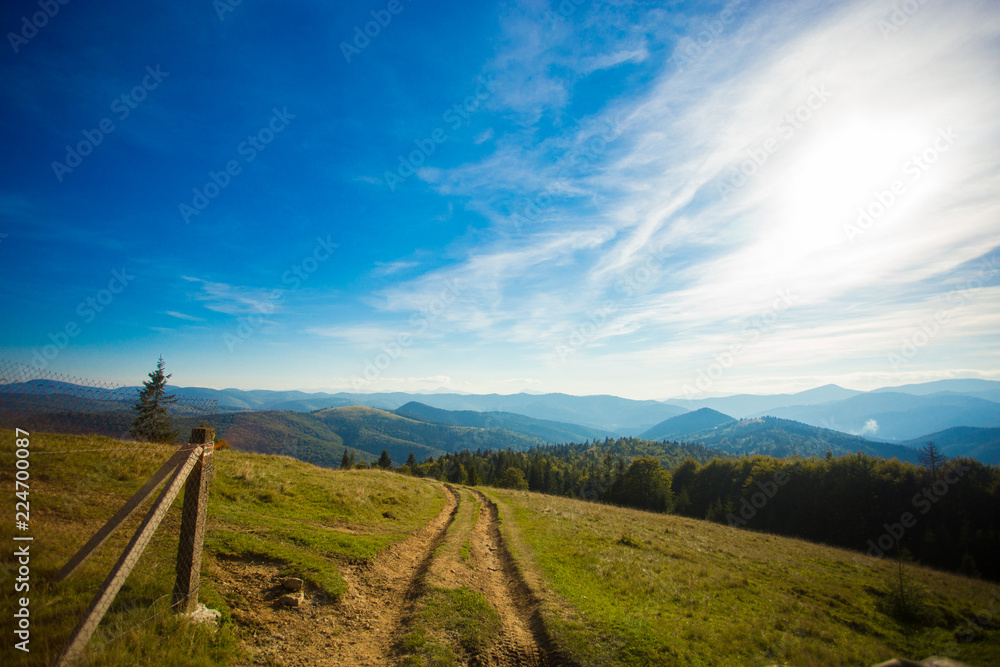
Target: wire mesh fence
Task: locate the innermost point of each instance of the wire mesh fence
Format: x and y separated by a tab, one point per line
55	403
45	402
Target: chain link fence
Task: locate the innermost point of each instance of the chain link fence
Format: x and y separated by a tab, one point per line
56	403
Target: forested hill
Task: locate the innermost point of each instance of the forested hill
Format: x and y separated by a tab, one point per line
320	437
679	427
545	429
782	438
372	430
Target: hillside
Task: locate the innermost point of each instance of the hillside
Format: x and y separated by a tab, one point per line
604	413
625	587
400	570
372	430
550	431
608	413
681	426
269	517
294	434
771	436
982	444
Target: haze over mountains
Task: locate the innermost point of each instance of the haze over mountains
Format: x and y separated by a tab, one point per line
889	422
962	415
899	413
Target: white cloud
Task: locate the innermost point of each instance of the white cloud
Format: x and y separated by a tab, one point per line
183	316
236	299
783	229
839	112
483	136
389	268
870	428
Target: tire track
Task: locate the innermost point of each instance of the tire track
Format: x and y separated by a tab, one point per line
523	640
380	594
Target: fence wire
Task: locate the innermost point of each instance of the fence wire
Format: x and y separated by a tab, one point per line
43	401
51	402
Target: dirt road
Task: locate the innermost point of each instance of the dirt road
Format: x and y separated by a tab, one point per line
363	628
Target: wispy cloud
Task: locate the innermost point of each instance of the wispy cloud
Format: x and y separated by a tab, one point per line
834	133
235	299
183	316
383	269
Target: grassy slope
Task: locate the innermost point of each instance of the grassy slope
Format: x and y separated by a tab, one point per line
624	587
261	507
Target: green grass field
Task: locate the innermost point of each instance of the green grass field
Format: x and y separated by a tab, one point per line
617	586
262	507
625	587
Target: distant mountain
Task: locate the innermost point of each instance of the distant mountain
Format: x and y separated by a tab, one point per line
991	395
681	426
313	404
896	416
982	444
607	413
771	436
286	433
550	431
372	430
902	415
746	405
965	386
265	399
321	436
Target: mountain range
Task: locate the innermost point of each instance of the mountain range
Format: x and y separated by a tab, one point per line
891	414
958	415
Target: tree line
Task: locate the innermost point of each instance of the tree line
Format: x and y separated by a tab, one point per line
944	514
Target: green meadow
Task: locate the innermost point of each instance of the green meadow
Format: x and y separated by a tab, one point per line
627	587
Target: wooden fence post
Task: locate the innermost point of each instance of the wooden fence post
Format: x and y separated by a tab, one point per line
101	536
190	467
193	515
128	559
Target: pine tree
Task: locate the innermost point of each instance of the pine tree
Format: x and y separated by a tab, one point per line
931	458
345	462
384	462
152	419
411	461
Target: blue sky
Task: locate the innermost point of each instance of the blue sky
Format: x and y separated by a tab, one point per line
644	199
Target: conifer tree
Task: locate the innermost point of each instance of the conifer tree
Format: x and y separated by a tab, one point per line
152	418
345	462
931	458
411	461
384	462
